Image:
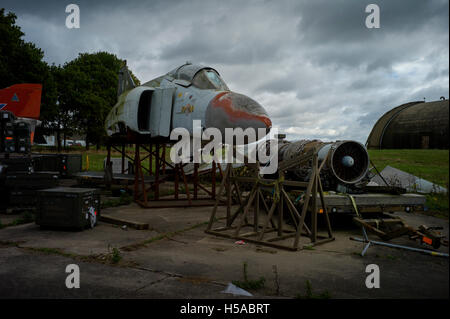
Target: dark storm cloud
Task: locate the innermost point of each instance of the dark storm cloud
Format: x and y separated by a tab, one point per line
341	21
314	66
334	31
51	9
279	85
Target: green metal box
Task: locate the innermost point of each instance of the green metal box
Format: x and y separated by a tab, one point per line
68	207
66	164
70	164
22	198
35	180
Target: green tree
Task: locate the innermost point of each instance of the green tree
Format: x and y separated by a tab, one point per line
22	62
59	118
90	91
75	97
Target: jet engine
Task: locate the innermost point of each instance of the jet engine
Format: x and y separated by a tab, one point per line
345	168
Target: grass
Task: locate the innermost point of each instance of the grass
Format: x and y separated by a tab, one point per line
431	165
437	205
92	160
311	295
247	283
124	199
114	255
25	218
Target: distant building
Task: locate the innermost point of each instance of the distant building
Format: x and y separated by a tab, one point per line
50	140
411	126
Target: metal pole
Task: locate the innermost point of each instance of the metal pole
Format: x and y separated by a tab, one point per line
374	242
123	159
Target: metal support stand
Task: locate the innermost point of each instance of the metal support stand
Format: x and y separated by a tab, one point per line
272	193
148	179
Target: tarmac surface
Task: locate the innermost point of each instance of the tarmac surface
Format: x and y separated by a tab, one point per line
175	258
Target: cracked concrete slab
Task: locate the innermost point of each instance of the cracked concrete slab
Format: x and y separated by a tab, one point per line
177	259
98	240
25	274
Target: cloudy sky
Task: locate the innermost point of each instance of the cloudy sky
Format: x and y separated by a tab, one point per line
315	67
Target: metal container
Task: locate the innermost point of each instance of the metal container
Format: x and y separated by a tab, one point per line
66	164
17	164
23	198
70	164
22	134
36	180
68	207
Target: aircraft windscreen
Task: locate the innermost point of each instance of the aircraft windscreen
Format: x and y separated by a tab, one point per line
209	79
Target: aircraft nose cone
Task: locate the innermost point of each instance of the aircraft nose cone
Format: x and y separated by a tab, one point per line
232	110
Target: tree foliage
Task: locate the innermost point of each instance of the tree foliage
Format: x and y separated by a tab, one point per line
90	91
22	62
76	97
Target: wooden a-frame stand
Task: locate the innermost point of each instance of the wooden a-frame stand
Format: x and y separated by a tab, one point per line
261	192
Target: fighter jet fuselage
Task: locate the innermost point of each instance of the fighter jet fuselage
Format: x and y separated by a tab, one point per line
187	93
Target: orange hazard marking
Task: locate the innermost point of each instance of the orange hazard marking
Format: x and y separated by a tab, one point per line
427	240
221	100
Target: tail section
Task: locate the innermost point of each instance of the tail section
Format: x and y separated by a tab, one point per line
125	81
23	100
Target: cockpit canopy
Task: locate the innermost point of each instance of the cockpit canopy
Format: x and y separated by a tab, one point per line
201	77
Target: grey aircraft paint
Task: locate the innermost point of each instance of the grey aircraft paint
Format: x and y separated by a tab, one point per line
189	92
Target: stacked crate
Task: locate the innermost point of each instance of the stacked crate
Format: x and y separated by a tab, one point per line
14	135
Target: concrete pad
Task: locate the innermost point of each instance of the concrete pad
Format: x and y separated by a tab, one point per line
183	261
90	241
335	267
30	275
186	288
162	219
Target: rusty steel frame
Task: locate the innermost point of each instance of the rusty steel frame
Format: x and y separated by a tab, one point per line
234	225
143	186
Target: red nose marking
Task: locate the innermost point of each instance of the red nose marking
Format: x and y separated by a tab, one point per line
224	102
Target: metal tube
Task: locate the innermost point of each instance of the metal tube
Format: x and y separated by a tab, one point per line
348	161
426	251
